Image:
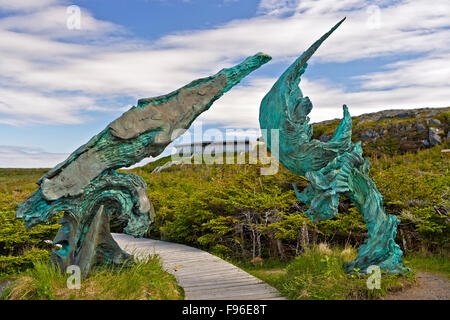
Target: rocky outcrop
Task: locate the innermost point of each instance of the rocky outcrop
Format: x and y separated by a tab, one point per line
434	136
394	131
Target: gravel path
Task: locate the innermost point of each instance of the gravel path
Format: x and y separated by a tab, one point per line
430	286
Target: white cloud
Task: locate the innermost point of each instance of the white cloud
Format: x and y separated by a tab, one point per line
52	75
35	61
243	101
41	108
26	157
276	7
430	71
51	22
327	99
404	28
25	5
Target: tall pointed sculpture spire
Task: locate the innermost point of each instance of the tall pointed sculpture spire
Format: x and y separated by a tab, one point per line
335	168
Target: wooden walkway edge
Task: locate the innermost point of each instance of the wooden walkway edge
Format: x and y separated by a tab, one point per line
202	275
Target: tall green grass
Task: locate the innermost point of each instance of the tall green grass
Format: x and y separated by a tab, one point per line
143	280
424	261
317	274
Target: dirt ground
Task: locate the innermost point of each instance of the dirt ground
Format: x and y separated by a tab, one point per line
429	286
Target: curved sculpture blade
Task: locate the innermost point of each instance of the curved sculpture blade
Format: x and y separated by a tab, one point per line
335	168
143	131
88	190
285	108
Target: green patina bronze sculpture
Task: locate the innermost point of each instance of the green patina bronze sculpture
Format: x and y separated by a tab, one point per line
335	168
87	188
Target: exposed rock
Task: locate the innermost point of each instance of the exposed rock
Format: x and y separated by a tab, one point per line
325	138
420	127
395	131
434	136
406	114
369	134
402	113
396	114
435	122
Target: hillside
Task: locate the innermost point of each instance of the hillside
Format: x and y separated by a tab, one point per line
394	131
233	211
388	132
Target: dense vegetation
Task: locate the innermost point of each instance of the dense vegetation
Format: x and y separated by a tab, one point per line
317	274
19	248
234	211
237	213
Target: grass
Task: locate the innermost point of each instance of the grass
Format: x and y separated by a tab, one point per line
413	185
317	274
145	280
423	261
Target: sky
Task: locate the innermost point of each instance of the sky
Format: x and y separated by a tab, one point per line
69	68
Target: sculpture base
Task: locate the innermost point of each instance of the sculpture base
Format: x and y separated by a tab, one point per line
380	249
95	247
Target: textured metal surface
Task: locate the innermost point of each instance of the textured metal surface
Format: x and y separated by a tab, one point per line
88	190
335	168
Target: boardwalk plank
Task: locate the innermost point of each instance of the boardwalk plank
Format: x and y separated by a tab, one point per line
202	275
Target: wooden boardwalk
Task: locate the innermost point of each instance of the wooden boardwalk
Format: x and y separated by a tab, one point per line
202	275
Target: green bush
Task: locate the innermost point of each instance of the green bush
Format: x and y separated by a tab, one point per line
253	215
19	248
234	211
12	264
